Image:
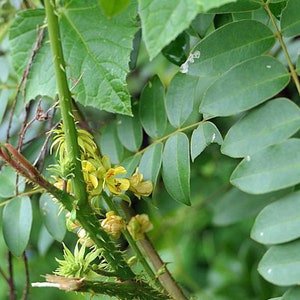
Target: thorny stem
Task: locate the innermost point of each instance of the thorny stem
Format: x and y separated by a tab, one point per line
132	243
159	266
283	46
65	101
85	214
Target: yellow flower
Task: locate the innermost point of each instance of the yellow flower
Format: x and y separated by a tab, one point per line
138	225
113	224
116	185
139	187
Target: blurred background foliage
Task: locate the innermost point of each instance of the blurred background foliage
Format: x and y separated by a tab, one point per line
212	260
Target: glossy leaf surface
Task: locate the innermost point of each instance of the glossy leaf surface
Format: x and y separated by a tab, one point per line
17	221
176	168
266	125
216	57
236	206
290	22
110	144
278	222
151	162
245	90
54	219
273	168
205	134
130	132
281	264
180	98
152	108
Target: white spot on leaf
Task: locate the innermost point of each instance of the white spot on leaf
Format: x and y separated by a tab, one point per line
184	68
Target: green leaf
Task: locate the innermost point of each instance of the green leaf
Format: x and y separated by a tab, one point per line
17	221
4	97
180	98
292	294
221	50
266	125
278	222
45	241
163	20
281	264
152	108
176	168
205	134
235	206
208	5
245	90
290	22
113	7
110	144
53	218
177	51
237	6
130	163
130	132
273	168
8	182
151	162
96	57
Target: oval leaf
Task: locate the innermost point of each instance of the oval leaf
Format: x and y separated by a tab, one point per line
17	221
110	144
206	133
152	108
269	124
130	132
290	22
8	182
176	168
273	168
151	162
180	98
130	163
235	206
245	90
217	57
54	219
278	222
281	264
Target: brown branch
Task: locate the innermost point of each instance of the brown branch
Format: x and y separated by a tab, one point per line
12	290
27	282
24	78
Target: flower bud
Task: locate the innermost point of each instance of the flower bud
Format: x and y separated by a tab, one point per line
139	187
113	224
138	225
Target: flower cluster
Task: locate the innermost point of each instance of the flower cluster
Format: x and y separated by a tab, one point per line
98	173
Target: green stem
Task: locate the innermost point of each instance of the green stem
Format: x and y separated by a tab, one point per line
85	214
65	101
284	48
